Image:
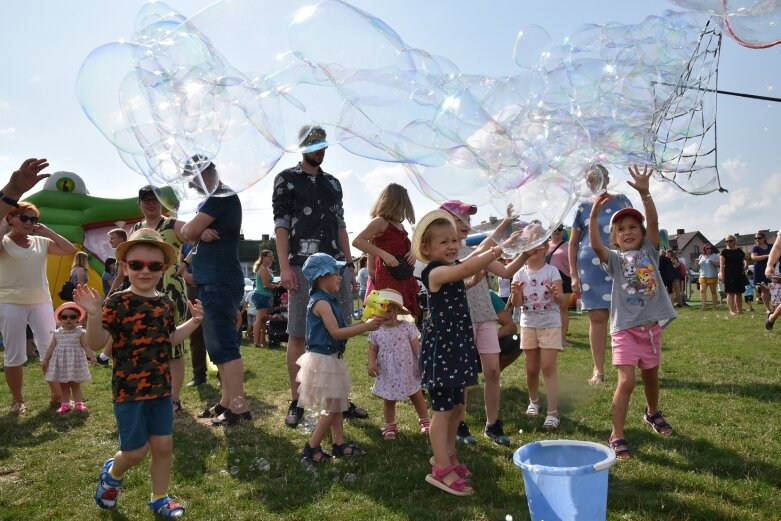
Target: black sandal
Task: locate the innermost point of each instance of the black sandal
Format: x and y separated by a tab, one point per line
657	423
621	448
340	450
213	412
229	418
177	405
309	454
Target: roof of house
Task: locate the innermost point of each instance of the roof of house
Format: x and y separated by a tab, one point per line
745	240
681	240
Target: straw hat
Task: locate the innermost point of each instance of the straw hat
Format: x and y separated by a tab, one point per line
149	237
424	223
391	295
69	305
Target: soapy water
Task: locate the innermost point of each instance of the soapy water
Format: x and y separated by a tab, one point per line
235	84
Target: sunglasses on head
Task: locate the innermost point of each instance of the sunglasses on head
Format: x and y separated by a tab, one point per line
137	265
24	218
68	317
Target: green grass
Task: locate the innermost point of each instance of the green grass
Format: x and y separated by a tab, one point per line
720	389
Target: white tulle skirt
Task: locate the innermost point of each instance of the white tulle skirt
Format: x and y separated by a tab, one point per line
324	382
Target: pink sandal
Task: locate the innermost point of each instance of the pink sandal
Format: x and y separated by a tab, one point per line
458	468
389	431
425	425
458	487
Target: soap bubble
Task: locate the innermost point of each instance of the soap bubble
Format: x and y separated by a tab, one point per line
235	84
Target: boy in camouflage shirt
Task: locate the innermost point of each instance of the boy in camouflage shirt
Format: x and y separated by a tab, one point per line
140	322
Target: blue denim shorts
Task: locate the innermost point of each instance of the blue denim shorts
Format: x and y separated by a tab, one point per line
220	306
260	301
137	421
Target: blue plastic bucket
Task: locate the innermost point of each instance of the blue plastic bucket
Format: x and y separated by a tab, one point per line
565	479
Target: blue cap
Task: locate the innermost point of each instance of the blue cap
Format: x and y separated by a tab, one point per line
318	265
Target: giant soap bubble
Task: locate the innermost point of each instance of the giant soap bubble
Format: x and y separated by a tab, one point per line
235	83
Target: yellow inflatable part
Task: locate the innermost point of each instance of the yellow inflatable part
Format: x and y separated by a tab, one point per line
210	367
58	269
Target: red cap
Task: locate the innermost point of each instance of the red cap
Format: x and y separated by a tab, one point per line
631	212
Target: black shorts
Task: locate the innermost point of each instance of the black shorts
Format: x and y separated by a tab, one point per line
510	345
445	399
566	283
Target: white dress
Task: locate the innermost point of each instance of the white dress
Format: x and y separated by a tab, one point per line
68	362
399	376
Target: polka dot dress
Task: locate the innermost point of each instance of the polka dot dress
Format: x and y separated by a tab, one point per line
595	283
448	356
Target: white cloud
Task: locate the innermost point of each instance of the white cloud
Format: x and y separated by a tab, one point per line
4	105
7	132
734	168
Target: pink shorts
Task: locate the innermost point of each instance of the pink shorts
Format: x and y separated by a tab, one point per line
638	346
486	337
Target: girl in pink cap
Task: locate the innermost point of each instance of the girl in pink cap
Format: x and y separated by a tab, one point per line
66	361
639	307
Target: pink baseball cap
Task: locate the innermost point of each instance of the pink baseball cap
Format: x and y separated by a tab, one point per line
624	212
458	208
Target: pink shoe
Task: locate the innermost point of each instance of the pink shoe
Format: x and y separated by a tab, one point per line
80	406
65	407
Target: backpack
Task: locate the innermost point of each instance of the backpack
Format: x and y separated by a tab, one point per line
66	291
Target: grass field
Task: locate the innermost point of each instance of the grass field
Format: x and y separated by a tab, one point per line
720	389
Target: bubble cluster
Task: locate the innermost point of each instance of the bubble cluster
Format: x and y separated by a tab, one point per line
751	23
234	84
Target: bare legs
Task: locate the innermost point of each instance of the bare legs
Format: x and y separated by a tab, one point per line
259	329
735	303
295	349
597	337
232	378
542	360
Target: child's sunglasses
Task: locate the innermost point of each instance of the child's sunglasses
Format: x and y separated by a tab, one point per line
24	218
68	317
137	265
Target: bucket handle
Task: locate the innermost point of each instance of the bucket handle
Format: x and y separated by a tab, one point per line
605	464
601	465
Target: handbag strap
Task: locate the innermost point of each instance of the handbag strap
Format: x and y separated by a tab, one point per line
549	256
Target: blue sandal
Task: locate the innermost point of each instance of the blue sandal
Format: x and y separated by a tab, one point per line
340	450
107	491
166	507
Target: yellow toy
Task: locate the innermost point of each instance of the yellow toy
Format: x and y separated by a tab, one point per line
375	306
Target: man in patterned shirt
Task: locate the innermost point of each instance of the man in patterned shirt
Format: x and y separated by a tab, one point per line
140	322
308	219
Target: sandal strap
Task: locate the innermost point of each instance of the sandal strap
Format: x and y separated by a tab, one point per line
440	473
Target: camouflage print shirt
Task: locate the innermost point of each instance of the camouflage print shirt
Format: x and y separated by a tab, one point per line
140	328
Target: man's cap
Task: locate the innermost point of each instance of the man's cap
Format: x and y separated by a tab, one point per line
146	190
149	237
319	265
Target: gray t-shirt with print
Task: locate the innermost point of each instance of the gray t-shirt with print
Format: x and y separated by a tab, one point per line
478	296
638	295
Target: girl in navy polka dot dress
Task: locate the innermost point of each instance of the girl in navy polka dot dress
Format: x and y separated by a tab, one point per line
448	357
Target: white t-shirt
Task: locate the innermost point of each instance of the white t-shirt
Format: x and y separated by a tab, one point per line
23	272
539	309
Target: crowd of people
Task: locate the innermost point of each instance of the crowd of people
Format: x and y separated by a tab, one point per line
171	280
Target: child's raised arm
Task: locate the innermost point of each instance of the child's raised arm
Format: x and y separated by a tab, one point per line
185	330
323	310
466	268
593	227
89	299
640	183
364	241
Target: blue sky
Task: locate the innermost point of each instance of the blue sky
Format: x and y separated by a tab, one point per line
44	42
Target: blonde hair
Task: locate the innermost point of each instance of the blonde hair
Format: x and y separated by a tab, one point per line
425	238
80	260
393	204
258	262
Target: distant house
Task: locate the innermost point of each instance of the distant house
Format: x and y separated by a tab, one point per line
689	244
746	241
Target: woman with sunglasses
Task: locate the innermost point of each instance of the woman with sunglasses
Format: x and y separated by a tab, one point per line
732	268
24	292
172	284
759	254
709	276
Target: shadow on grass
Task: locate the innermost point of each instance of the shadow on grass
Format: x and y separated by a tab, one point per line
24	430
760	391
